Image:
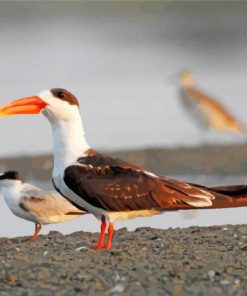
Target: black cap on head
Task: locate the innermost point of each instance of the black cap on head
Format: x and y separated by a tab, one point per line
65	95
10	175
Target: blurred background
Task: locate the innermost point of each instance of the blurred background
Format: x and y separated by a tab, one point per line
122	60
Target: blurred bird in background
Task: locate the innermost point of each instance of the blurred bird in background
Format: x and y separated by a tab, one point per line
207	110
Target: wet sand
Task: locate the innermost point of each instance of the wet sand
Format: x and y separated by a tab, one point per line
192	261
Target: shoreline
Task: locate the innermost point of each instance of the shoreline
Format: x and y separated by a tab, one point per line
205	159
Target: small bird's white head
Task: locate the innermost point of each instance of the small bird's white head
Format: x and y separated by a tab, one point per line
55	104
9	179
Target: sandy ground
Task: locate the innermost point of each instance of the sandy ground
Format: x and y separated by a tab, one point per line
193	261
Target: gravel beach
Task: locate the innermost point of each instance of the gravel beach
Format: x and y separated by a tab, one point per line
191	261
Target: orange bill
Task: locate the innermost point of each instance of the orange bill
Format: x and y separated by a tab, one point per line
28	105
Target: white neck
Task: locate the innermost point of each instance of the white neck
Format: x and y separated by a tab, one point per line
69	141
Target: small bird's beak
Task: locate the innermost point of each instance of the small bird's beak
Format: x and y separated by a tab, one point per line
27	105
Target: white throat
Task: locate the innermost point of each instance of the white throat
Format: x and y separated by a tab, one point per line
11	189
68	140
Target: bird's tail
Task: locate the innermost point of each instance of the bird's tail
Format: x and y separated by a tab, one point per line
191	196
227	196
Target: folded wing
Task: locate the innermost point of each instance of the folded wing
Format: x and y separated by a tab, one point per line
44	204
115	185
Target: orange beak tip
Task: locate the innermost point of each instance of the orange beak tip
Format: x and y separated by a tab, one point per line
27	105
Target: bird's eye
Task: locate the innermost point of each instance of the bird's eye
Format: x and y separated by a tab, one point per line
60	95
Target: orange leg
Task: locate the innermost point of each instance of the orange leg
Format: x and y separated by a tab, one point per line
110	235
100	244
36	232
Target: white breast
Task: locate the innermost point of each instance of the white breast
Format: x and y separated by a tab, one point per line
12	196
73	197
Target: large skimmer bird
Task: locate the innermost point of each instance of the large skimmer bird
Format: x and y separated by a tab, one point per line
208	112
34	204
110	188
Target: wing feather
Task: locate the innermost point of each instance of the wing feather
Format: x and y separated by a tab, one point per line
117	186
43	204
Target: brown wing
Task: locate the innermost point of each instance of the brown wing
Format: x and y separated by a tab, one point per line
116	186
48	205
216	115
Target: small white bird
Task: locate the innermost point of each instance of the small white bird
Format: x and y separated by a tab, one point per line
34	204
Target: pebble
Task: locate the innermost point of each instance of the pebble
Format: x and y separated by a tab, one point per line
211	274
224	282
4	293
119	288
81	248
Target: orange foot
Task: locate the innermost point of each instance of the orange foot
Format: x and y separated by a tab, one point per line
110	236
36	233
100	244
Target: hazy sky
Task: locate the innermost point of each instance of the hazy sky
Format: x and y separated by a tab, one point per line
118	58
